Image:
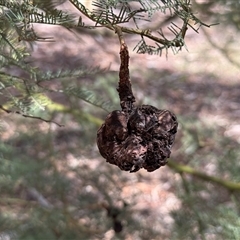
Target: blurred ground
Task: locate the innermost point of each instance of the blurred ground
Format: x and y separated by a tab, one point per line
199	83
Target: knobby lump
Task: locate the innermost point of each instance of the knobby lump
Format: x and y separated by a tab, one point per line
135	137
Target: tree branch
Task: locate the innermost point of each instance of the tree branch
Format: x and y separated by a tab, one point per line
231	186
185	14
29	116
222	50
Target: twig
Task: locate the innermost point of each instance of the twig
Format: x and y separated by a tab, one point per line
28	116
223	51
129	30
37	196
186	169
14	201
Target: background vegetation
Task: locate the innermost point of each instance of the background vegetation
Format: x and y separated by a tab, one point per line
53	182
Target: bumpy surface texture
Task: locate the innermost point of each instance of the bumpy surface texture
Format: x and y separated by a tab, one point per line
140	139
135	137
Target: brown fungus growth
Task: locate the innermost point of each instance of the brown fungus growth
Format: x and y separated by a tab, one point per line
135	137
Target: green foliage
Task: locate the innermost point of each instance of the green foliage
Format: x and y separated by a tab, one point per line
223	11
17	28
48	189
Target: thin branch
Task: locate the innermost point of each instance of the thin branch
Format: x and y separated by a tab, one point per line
37	196
29	116
231	186
118	30
222	50
146	33
20	202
